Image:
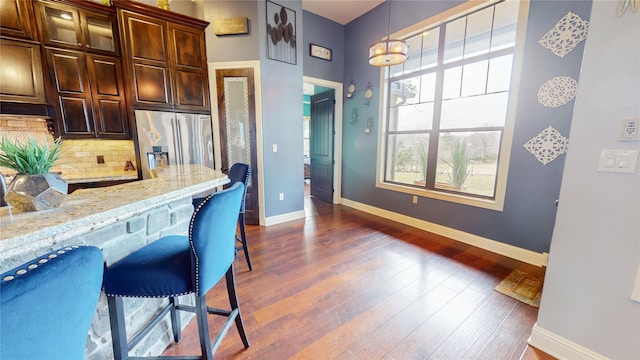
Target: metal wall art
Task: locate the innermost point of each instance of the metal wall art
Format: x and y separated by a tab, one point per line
281	33
547	145
565	35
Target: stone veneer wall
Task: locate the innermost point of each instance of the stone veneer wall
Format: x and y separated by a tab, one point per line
79	156
116	241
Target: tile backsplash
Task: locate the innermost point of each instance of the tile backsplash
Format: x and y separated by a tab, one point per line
78	156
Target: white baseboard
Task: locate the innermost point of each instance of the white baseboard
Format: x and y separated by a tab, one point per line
282	218
514	252
559	347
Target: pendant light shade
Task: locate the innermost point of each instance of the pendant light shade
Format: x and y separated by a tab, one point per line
388	52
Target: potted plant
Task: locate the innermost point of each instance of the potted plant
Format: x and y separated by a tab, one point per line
34	187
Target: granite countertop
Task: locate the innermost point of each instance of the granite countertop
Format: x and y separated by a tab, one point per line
88	209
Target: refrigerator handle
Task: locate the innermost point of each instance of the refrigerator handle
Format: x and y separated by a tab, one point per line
175	127
179	137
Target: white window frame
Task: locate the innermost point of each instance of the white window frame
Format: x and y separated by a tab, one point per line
497	203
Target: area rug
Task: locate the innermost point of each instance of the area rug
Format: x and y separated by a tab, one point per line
522	287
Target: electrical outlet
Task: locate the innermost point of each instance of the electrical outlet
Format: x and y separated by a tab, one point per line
100	159
281	196
415	199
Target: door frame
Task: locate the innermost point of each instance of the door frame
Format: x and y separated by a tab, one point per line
337	139
215	119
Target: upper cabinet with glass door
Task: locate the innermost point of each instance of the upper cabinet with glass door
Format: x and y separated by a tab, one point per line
81	28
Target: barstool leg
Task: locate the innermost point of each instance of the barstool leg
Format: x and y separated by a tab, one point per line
175	320
203	327
243	239
118	330
233	300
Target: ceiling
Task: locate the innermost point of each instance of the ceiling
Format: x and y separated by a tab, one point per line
340	11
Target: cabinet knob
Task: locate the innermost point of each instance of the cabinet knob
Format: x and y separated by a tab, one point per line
87	46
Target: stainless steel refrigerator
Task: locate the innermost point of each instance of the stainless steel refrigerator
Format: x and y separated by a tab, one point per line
169	138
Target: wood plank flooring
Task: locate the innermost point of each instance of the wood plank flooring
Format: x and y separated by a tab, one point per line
343	284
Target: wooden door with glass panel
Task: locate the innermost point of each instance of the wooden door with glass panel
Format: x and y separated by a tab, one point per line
237	114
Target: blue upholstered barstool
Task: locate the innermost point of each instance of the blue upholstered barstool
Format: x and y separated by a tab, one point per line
239	172
47	304
176	265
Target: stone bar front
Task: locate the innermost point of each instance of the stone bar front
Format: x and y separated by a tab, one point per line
119	220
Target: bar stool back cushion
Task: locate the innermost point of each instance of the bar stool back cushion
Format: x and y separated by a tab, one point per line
163	268
47	304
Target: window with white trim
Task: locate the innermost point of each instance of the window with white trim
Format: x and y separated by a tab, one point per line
446	107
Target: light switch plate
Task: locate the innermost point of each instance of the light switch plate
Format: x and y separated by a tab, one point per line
618	161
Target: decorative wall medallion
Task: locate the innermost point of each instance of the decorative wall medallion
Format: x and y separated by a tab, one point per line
557	91
547	145
565	35
351	89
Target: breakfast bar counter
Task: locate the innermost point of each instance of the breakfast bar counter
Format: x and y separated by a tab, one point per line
119	220
90	209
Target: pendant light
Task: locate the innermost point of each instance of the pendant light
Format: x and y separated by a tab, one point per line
388	52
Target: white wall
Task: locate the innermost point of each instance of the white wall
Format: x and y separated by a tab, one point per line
586	311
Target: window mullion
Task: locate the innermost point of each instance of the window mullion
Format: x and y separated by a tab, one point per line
437	108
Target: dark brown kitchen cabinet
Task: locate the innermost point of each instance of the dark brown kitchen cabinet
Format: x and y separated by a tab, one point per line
16	19
21	78
188	56
90	94
147	59
66	26
164	57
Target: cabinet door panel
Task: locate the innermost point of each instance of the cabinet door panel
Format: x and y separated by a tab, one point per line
106	75
60	25
16	19
146	40
21	78
146	60
151	84
99	30
69	71
190	89
107	86
191	84
111	118
76	115
69	74
187	47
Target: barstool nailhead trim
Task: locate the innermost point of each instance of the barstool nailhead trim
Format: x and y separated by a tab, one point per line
41	261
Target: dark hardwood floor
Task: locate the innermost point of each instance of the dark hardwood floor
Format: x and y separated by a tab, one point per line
343	284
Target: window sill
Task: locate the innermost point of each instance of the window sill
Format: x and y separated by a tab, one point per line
496	204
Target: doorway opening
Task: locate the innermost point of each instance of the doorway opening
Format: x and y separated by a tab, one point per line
314	86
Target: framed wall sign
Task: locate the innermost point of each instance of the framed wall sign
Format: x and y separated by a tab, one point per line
320	52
